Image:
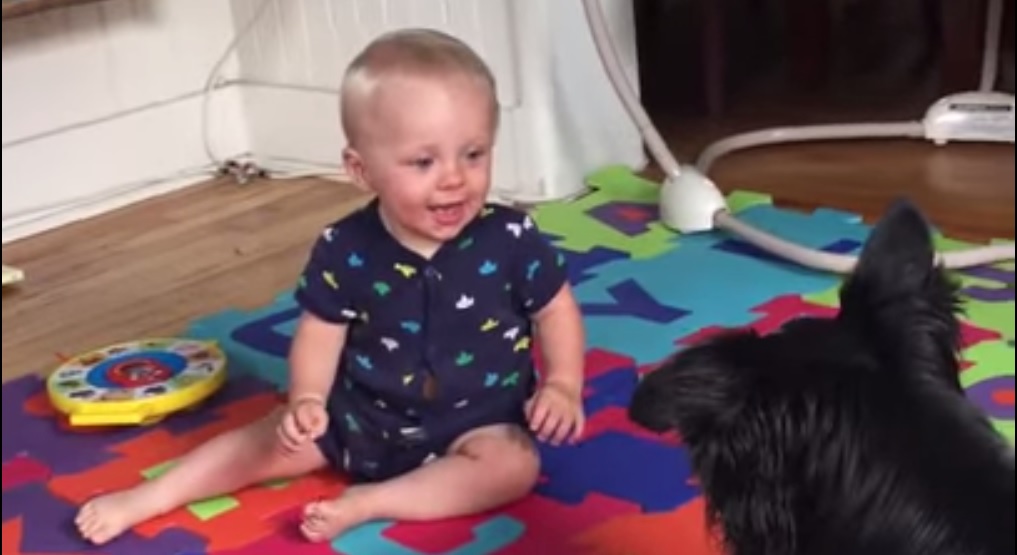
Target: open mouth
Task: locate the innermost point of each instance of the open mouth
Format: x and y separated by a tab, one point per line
448	214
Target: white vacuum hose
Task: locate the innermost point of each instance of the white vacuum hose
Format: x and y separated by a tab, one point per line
804	133
687	197
609	57
990	54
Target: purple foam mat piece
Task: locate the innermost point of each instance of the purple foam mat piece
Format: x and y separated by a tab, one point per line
983	394
1001	293
43	439
67	452
49	528
631	218
243	386
631	299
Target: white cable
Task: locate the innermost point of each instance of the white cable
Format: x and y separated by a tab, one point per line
43	211
287	169
291	168
213	77
296	169
106	118
843	264
990	55
780	135
612	63
327	171
723	219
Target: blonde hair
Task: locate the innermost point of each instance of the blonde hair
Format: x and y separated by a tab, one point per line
423	53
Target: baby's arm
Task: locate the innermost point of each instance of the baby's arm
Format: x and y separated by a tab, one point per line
314	357
327	296
559	330
542	286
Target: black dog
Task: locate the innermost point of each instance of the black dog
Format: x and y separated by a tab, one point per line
844	436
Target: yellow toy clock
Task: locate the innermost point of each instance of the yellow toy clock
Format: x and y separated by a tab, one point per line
137	382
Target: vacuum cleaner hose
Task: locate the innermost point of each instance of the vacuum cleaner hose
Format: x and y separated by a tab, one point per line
724	219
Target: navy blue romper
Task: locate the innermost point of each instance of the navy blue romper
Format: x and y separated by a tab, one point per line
435	347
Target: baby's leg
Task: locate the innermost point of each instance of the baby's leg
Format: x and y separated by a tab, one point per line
483	470
226	463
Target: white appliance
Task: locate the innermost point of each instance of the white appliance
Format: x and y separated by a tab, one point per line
690	202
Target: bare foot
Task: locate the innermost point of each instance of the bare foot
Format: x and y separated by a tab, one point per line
104	518
328	519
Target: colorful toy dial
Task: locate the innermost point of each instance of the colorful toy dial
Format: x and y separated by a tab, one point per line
137	382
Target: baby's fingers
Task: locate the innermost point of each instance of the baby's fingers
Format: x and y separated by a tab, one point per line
578	426
304	422
537	414
286	442
569	428
552	427
557	430
318	426
289	434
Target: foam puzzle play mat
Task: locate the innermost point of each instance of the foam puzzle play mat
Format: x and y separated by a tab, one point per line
645	291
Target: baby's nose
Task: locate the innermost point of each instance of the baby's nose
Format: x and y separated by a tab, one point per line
453	177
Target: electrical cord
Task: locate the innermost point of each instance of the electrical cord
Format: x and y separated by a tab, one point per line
243	171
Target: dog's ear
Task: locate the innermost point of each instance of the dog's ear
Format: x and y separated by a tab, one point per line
899	299
697	389
899	254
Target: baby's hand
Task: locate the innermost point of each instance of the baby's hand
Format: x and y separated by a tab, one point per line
304	420
556	414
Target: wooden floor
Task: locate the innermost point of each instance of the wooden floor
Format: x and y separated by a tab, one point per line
967	190
150	269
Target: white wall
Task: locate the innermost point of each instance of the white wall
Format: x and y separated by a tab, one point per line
101	97
560	115
292	61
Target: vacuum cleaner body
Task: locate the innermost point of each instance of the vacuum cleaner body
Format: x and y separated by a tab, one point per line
971	117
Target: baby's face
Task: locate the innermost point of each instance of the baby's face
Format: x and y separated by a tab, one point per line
426	152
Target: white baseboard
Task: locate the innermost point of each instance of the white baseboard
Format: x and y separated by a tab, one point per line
93	169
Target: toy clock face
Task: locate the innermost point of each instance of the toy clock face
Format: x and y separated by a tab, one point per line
157	375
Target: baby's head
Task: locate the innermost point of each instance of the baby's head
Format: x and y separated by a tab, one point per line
420	114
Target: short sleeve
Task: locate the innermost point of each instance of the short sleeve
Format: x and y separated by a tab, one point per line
539	268
324	289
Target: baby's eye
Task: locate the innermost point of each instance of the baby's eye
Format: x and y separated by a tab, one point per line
423	163
476	154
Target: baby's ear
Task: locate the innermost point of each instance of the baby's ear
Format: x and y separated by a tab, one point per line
353	162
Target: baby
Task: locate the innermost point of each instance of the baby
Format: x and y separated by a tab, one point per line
411	368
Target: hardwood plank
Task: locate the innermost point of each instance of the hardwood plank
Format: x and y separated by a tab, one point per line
967	190
152	268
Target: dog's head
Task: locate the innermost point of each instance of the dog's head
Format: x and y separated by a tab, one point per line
898	314
758	413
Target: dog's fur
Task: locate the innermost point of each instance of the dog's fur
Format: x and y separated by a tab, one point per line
844	436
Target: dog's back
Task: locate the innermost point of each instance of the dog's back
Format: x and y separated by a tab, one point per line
849	435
